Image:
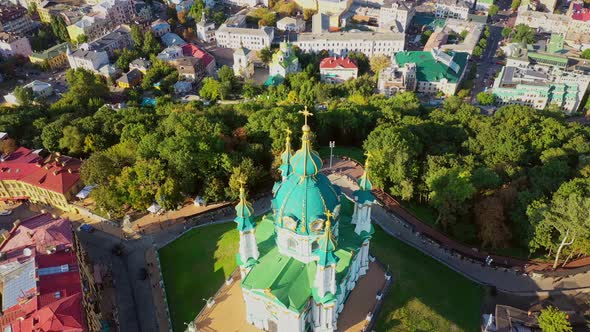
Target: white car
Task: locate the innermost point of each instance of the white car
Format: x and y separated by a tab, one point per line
5	212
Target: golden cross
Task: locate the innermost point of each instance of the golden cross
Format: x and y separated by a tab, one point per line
289	132
306	113
328	216
242	183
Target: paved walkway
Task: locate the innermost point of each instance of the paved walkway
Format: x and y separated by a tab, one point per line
502	278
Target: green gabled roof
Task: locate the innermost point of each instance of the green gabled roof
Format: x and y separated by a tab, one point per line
288	281
51	52
430	70
548	58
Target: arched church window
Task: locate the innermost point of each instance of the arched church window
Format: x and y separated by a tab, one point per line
289	223
291	244
315	245
317	226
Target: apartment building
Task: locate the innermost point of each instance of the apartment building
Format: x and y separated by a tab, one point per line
396	15
342	43
14	19
458	9
253	39
12	44
394	79
54	57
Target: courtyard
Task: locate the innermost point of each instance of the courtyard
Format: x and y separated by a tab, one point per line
425	295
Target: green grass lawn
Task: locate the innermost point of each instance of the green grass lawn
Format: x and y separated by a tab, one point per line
423	212
425	296
347	151
194	267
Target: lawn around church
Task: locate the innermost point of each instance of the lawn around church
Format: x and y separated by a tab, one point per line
425	294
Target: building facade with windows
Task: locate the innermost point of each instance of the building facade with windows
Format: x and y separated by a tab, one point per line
14	19
337	70
342	43
457	9
12	44
52	180
253	39
55	57
394	79
436	71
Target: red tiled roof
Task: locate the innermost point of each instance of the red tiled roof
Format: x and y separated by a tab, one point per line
62	315
55	173
197	52
57	305
334	62
40	231
580	13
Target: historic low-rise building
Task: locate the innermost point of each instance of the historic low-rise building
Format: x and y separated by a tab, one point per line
394	79
54	57
284	61
26	175
104	17
436	71
91	27
160	27
40	90
172	39
14	19
253	39
115	40
396	15
458	9
243	65
342	43
130	79
46	282
337	70
88	59
300	264
205	30
140	64
295	24
12	44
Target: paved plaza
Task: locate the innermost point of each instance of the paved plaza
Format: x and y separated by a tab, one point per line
229	311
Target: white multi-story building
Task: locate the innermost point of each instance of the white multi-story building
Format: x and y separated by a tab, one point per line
436	71
247	3
116	12
116	40
544	22
540	86
296	24
452	9
253	39
394	79
342	43
88	59
395	15
14	18
12	44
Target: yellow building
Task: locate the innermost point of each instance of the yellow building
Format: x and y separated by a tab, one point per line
55	57
26	176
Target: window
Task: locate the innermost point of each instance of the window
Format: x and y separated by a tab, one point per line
292	244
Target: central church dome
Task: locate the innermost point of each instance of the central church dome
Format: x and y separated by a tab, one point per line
301	200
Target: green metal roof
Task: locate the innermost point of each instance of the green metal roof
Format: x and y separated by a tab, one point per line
548	58
274	80
430	70
51	52
289	282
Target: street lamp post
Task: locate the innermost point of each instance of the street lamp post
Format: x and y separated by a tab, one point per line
332	145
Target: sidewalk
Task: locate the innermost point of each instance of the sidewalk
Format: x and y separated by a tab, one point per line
153	268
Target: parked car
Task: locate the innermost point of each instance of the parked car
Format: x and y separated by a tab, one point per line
5	212
86	228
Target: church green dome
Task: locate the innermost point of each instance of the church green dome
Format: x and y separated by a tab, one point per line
304	196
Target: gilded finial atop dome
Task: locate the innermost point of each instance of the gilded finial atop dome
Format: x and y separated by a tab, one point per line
306	162
327	245
244	210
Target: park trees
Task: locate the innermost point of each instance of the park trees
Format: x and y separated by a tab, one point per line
378	63
393	159
485	98
523	33
23	95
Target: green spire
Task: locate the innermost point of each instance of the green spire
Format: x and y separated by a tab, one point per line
363	194
364	182
286	156
327	246
306	162
244	212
